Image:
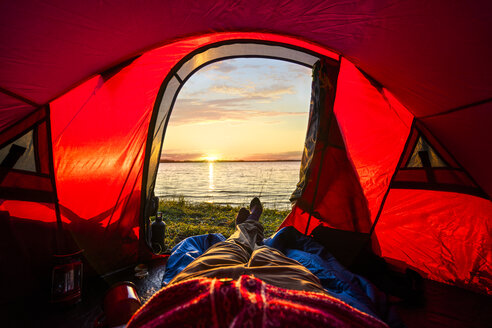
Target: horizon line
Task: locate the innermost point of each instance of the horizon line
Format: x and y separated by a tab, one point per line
227	160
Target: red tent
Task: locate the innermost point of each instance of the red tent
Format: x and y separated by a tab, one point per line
86	90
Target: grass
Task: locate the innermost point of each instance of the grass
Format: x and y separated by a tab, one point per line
184	219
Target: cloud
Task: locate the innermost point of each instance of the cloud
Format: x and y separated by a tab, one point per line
229	90
254	66
250	92
263	83
196	112
245	97
299	71
175	155
282	156
216	77
222	66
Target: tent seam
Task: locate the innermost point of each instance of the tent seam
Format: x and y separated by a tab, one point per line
378	215
19	97
456	109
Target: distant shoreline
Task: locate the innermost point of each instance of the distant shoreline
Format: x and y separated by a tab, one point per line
230	161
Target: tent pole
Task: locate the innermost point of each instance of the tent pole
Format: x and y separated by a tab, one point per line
392	178
60	242
19	97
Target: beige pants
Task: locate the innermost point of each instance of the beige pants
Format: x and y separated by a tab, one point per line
240	255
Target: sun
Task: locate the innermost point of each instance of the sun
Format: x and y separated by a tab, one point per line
210	158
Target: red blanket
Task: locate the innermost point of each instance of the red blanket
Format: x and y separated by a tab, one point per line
247	302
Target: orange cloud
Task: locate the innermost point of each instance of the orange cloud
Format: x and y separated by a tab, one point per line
249	92
203	113
282	156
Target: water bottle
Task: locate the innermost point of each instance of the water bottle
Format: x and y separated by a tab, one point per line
158	233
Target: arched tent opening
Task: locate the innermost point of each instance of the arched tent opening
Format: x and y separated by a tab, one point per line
240	48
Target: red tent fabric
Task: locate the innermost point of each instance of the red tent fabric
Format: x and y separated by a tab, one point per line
80	82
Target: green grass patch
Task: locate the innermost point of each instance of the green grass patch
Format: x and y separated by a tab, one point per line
184	219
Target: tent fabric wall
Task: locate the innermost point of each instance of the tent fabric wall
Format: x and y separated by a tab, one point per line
445	235
465	133
330	188
376	136
12	111
99	178
89	60
421	228
27	175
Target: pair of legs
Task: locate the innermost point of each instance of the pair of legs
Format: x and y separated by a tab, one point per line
241	254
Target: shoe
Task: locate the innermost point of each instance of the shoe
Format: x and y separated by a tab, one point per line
242	215
256	209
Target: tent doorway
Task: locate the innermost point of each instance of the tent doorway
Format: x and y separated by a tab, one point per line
237	131
174	82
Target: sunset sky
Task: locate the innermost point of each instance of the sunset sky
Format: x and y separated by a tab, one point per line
241	109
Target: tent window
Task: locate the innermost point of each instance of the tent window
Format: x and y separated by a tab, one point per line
167	101
422	153
427	169
19	154
245	50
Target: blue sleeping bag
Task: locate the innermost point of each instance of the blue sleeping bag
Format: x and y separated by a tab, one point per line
336	279
186	251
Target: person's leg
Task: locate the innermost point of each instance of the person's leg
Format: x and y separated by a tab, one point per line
223	260
227	259
274	268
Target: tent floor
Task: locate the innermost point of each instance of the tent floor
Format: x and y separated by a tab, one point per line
445	306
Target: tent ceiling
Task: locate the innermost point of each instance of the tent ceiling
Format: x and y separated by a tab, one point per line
434	56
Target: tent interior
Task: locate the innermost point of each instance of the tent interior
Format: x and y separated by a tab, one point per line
396	154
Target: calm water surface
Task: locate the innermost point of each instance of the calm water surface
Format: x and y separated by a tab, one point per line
233	183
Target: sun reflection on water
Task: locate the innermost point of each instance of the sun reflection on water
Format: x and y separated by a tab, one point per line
211	185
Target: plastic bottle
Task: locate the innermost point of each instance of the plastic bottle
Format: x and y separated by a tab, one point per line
158	233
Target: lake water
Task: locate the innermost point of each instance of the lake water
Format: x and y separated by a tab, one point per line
233	183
